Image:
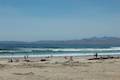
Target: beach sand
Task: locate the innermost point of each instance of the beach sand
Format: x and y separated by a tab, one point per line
57	68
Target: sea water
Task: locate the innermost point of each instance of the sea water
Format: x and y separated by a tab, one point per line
45	52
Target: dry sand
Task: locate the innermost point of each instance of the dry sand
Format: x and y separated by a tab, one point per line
60	69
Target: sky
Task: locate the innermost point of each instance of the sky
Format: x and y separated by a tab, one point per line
34	20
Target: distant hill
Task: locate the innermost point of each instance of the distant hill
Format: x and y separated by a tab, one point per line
89	42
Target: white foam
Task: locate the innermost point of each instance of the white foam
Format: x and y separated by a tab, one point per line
72	49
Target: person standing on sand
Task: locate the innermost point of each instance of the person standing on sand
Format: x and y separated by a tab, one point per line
96	55
71	58
25	57
65	57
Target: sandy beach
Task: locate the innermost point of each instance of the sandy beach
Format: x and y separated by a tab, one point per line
58	68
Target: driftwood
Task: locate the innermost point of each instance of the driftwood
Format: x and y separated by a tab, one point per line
27	60
103	58
43	60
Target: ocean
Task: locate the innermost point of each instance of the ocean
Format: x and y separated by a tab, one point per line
45	52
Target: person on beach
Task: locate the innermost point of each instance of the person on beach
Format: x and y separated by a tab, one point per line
10	60
71	58
96	55
25	58
65	57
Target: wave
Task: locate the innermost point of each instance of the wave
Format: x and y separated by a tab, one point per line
71	49
40	52
81	50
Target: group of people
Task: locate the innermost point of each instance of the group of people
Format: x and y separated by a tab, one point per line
70	58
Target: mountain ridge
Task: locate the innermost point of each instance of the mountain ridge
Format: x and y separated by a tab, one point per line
94	41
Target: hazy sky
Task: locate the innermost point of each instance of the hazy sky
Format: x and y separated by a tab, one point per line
32	20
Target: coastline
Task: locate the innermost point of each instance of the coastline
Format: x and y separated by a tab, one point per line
58	52
59	55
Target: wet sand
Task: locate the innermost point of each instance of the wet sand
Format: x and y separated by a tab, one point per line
58	68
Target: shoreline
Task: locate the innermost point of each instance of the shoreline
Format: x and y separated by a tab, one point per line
59	55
